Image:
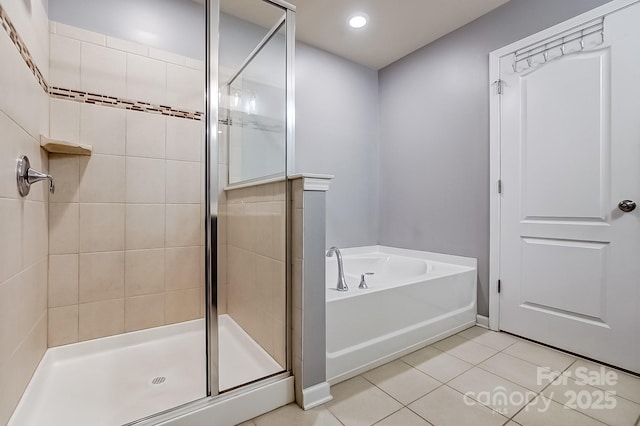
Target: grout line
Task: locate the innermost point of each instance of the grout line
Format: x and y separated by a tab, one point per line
125	207
481	404
490	331
417	414
522	386
379	388
560	375
391	414
124	219
77	252
458	358
400	402
326	406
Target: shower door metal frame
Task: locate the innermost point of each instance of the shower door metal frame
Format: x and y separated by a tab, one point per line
287	22
213	397
211	196
212	12
211	172
289	19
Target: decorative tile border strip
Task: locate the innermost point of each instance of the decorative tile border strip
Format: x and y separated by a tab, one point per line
86	97
110	101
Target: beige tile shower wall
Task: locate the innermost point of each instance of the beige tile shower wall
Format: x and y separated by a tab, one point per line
23	221
256	272
126	234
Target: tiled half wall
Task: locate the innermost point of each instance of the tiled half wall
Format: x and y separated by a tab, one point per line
256	267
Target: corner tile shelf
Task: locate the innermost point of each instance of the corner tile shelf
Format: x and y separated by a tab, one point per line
64	147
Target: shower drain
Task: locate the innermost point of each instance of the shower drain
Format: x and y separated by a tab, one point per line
158	380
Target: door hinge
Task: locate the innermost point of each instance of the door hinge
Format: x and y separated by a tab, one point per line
499	286
499	86
499	186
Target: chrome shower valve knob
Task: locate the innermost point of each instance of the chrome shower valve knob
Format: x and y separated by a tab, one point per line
26	176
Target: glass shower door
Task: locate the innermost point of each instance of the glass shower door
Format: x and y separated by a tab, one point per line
252	296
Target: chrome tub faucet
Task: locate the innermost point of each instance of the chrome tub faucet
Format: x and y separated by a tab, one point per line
342	283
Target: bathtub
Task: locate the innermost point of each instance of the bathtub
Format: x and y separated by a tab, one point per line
414	299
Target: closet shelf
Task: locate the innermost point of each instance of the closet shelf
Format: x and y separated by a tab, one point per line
64	147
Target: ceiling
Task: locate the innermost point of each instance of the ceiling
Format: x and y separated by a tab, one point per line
395	28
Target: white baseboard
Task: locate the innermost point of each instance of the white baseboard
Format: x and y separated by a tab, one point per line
482	321
316	395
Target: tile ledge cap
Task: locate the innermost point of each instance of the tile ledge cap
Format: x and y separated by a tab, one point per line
313	182
310	175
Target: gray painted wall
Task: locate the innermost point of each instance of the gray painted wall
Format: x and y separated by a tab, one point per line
174	25
337	133
434	134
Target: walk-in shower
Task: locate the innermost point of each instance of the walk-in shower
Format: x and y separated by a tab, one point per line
164	289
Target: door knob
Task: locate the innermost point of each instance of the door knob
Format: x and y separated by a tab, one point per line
627	206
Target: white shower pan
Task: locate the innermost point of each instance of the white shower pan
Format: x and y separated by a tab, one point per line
119	379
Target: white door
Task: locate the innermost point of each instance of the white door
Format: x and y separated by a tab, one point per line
570	152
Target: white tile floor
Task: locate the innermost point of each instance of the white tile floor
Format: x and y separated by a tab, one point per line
429	386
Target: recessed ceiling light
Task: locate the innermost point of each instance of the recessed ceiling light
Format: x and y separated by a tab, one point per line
358	21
